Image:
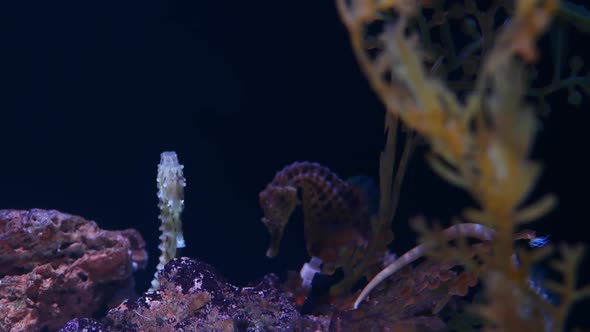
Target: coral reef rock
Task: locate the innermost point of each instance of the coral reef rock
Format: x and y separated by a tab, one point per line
194	297
55	267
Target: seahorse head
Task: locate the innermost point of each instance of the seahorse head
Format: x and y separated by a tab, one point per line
277	203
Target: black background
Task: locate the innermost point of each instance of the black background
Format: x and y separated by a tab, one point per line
91	92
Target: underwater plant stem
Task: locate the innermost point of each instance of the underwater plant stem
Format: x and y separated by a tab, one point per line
574	14
454	232
567	83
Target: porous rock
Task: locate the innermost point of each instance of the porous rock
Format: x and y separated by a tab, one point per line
193	296
56	266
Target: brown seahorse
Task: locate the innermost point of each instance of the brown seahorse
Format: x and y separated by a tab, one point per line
336	212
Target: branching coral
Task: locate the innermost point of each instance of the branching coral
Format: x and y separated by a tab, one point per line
411	299
454	232
481	144
479	133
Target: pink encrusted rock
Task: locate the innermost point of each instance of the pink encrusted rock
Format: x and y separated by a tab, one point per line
55	266
194	296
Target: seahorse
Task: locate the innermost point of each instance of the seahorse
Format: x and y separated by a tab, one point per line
336	212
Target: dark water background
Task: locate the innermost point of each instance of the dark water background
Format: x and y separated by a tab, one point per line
92	91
